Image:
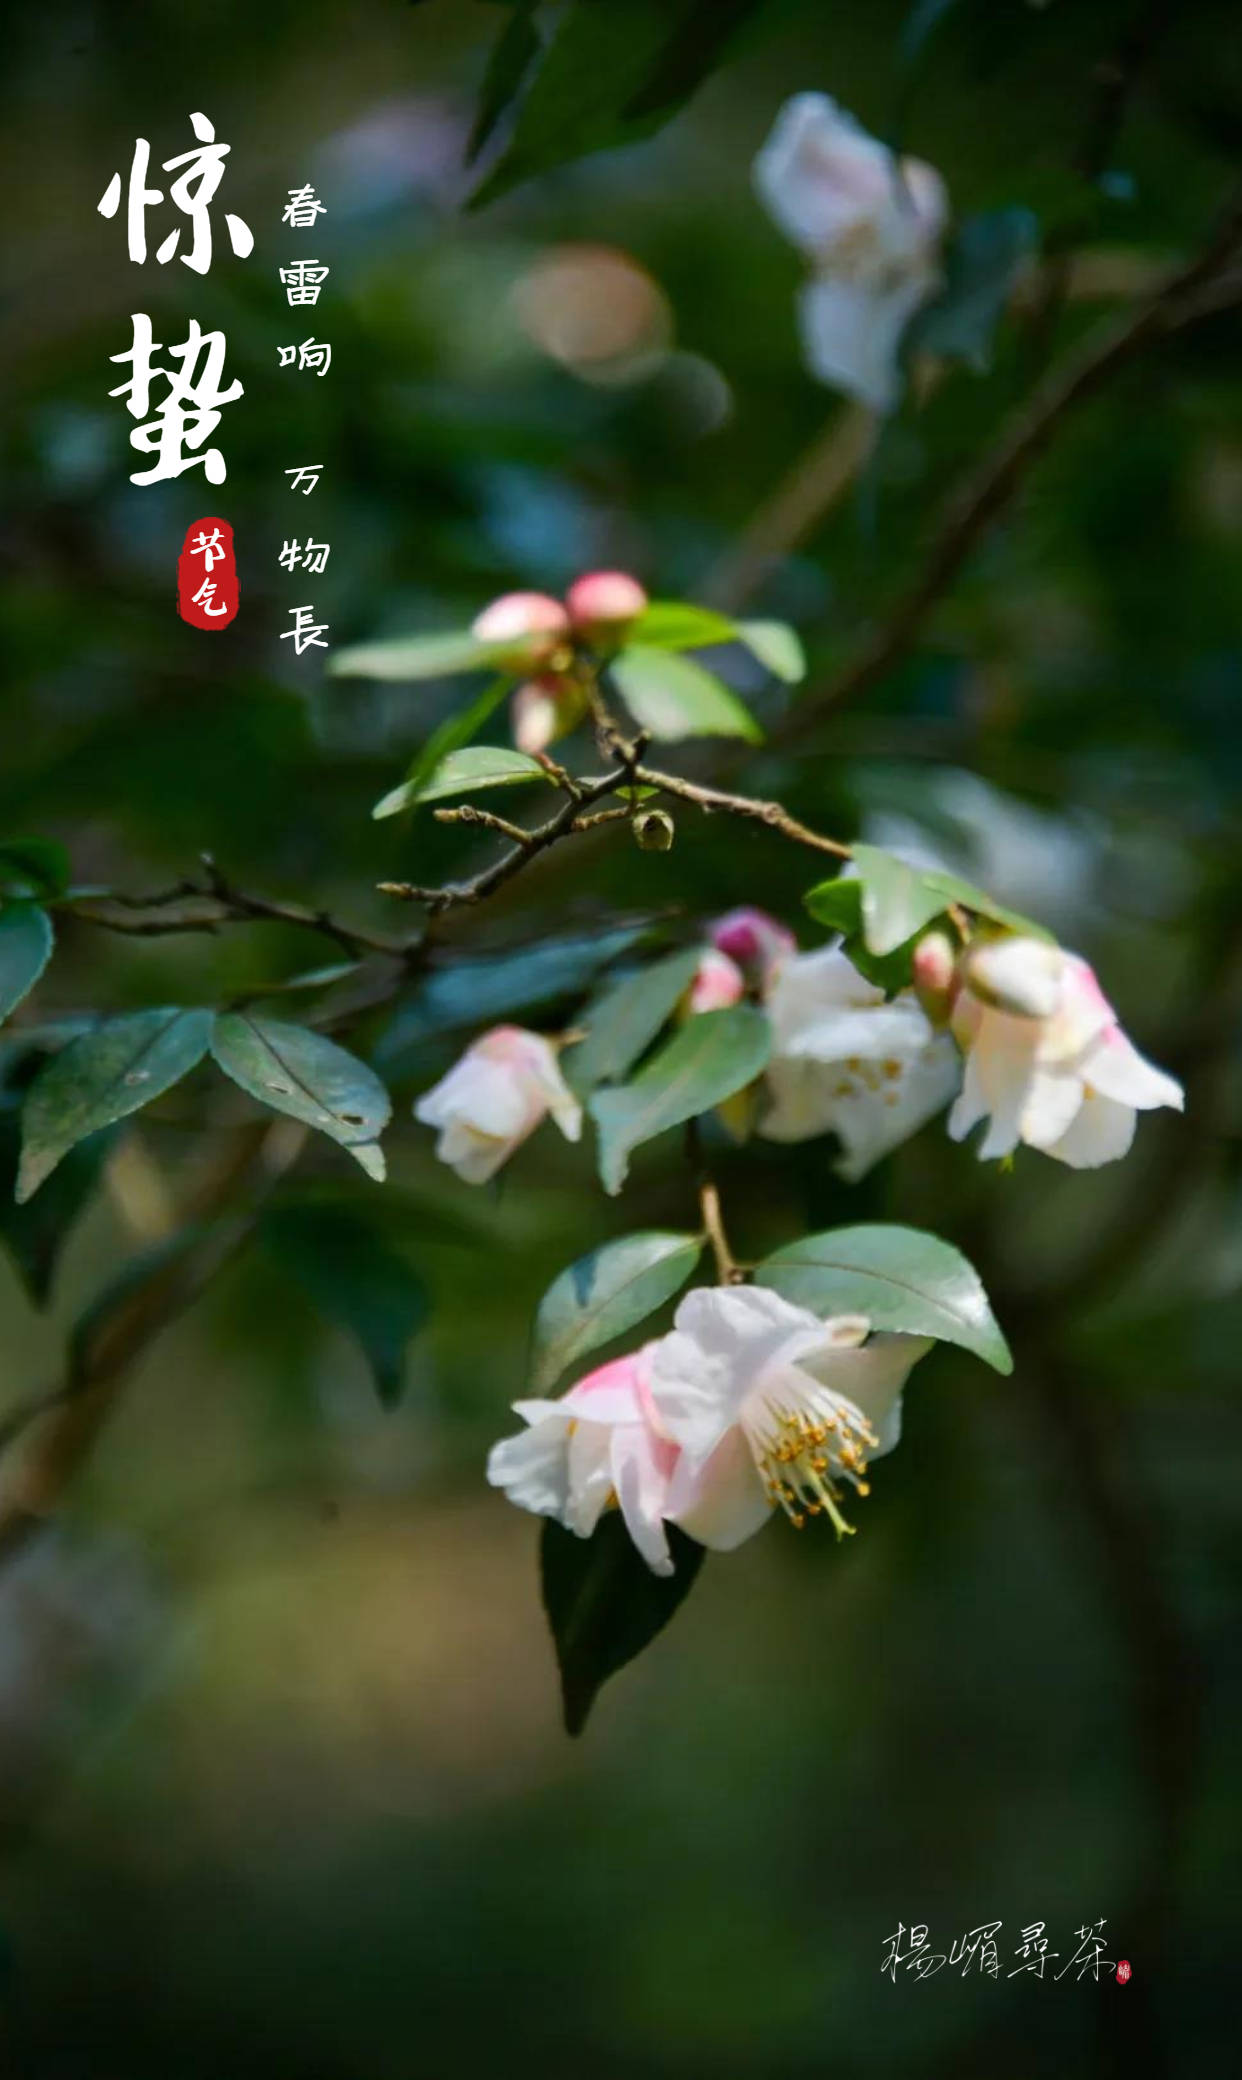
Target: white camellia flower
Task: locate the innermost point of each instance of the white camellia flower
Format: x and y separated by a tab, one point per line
847	1058
594	1448
772	1408
494	1097
871	224
1046	1060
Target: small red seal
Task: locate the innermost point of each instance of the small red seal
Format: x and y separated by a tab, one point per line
207	575
1123	1971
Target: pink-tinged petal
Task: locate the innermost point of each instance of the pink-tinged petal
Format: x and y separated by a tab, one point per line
717	984
1083	1014
1101	1133
519	615
1116	1069
535	716
820	175
722	1503
642	1465
589	1459
604	598
613	1393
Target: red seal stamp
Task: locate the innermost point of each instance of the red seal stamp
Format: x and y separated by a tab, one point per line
207	575
1123	1971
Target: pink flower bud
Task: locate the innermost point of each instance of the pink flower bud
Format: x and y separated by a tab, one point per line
934	973
753	939
534	623
718	983
603	599
543	710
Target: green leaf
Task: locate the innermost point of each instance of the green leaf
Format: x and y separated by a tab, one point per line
624	1020
464	772
777	647
605	1293
837	903
672	697
898	900
674	624
35	1234
355	1279
33	867
612	72
923	19
297	1071
416	657
511	57
25	949
604	1605
981	265
105	1075
474	992
900	1278
449	737
714	1054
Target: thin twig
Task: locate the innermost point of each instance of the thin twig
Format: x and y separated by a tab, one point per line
715	799
1207	285
228	905
533	842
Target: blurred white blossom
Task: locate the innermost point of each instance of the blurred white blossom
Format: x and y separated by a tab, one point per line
870	224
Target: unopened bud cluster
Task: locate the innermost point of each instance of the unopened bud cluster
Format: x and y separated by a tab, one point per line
543	636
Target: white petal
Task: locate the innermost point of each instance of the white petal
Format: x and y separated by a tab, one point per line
808	984
475	1157
819	173
971	1106
722	1503
532	1468
553	1089
871	1121
851	333
802	1099
1117	1070
722	1339
1022	976
1102	1132
1051	1107
1004	1058
872	1378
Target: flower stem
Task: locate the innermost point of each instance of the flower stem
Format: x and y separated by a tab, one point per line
728	1271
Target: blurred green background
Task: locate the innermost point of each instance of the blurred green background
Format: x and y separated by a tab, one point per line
282	1782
